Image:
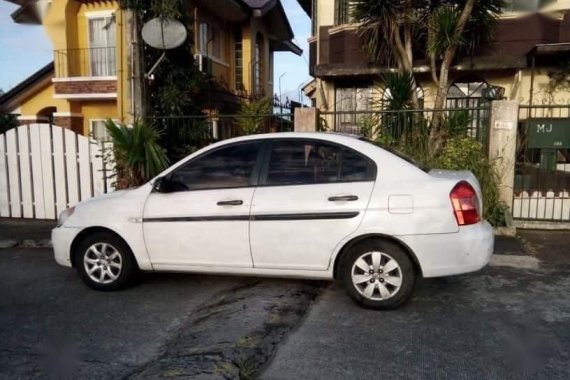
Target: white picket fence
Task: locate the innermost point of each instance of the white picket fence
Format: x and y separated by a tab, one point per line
542	206
45	169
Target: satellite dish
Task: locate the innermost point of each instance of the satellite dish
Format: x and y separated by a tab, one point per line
164	34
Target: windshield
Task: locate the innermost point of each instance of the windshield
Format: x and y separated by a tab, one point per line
397	153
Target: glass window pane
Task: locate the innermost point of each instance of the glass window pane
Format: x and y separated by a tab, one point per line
354	167
224	168
302	163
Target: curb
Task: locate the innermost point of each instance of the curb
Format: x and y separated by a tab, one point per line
506	231
27	243
519	262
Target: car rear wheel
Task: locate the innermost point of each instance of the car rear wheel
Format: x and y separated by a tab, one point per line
105	262
378	274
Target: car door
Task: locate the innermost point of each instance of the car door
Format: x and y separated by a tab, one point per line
202	216
312	194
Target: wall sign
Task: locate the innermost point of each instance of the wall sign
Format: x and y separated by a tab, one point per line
504	124
548	133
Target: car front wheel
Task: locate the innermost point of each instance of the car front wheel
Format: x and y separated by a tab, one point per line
105	262
378	274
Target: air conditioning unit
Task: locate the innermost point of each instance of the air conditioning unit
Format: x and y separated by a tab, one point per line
203	63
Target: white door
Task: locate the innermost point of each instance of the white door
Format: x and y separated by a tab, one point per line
102	42
312	194
202	217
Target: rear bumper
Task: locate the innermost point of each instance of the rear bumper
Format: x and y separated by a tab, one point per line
61	238
449	254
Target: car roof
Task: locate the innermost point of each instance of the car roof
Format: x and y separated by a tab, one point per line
332	136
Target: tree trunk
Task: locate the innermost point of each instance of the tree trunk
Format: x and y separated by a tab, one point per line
436	138
436	133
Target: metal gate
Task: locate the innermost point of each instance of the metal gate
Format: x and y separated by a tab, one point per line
542	170
45	169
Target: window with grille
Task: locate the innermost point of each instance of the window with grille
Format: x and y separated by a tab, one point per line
352	104
342	12
238	60
98	130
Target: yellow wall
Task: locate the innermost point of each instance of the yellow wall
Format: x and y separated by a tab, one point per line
41	99
97	110
66	23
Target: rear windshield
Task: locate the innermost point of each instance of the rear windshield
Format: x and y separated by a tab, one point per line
397	153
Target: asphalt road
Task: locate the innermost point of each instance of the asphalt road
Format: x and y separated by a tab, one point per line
501	323
185	326
52	326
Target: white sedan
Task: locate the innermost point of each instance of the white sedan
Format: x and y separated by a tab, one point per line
306	205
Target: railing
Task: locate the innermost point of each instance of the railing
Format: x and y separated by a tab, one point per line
93	62
182	135
402	125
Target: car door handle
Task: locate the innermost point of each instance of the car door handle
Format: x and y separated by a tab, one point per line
236	202
344	198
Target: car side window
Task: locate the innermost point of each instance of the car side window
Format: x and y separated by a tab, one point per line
227	167
303	162
355	167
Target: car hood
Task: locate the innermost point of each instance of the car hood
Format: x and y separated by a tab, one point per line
104	197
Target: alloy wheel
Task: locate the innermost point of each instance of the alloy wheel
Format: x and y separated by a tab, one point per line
376	275
103	263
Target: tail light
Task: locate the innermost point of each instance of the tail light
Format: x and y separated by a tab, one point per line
465	204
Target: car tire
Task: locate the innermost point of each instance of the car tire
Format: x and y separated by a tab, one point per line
105	262
378	274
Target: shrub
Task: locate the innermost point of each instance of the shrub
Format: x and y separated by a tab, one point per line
137	155
465	153
252	115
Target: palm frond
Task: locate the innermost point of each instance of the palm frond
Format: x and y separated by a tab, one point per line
443	29
138	155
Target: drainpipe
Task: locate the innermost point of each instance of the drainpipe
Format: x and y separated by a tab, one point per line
533	66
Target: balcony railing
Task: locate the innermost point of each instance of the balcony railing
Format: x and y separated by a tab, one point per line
92	62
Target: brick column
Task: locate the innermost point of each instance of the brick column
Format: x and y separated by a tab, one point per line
305	119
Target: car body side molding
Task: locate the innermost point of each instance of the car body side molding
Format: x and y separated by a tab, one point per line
253	218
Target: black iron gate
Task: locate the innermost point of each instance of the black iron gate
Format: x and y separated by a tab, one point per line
542	170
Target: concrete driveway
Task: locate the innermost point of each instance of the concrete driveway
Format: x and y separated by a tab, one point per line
501	323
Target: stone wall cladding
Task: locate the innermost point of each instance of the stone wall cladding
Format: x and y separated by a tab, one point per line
86	87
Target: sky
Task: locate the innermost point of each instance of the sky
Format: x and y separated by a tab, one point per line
24	49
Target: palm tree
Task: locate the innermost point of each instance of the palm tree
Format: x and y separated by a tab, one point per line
392	30
455	28
137	155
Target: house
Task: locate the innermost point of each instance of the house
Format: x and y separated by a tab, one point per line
532	42
92	79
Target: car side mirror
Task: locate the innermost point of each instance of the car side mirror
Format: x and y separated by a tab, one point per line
160	185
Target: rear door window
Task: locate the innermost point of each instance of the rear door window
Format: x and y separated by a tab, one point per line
305	162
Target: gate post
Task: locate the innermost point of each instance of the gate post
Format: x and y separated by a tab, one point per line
305	119
503	145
